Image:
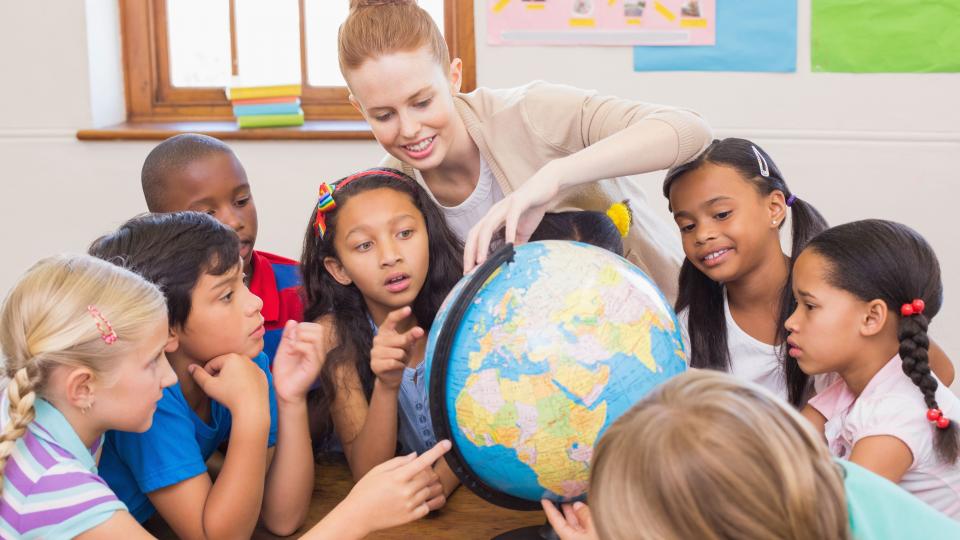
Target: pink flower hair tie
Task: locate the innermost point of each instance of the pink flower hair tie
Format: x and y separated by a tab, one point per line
107	334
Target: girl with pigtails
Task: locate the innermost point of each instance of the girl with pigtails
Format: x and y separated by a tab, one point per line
866	292
730	204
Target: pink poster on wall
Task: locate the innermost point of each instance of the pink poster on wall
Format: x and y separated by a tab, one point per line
601	22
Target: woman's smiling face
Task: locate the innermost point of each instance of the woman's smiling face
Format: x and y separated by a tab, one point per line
407	98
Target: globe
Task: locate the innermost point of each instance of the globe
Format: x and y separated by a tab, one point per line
532	356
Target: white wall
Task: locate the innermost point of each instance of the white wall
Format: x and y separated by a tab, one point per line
856	145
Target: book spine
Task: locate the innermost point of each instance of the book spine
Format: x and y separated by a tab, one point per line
270	120
262	101
254	92
266	108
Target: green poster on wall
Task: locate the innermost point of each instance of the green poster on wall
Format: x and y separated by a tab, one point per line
885	36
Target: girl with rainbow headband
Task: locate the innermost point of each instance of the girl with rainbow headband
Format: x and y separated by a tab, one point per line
866	292
730	205
503	157
83	352
378	260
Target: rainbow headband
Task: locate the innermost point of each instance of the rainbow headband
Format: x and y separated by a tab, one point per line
326	203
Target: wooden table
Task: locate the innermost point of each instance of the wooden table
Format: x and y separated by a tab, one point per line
464	516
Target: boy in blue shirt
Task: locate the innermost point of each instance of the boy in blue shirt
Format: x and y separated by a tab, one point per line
197	172
225	393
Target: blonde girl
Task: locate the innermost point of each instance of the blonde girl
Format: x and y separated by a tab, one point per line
83	346
83	352
710	456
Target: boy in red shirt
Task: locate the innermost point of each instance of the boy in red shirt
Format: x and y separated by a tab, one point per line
201	173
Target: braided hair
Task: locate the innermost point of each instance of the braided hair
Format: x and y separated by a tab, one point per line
46	322
703	297
866	258
21	392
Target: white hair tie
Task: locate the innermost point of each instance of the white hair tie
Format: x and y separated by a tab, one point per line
764	168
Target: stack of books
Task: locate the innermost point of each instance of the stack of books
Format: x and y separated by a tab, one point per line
266	106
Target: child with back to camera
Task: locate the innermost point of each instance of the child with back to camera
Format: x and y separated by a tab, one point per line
709	456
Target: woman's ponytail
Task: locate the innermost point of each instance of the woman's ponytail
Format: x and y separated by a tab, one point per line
379	27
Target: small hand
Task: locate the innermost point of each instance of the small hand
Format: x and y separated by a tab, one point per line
234	381
575	523
396	491
391	349
518	214
298	360
435	499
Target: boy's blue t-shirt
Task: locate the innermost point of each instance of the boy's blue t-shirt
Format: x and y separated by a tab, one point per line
174	449
878	509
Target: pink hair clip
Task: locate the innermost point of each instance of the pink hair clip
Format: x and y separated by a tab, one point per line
107	333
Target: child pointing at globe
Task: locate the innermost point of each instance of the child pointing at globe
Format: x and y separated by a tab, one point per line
378	261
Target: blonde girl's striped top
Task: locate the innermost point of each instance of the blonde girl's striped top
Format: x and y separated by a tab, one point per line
50	484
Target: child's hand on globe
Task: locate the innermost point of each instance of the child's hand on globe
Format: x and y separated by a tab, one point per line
391	348
575	523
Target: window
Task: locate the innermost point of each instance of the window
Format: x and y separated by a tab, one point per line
180	54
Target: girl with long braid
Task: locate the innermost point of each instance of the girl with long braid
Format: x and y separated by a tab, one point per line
84	347
731	204
866	292
83	352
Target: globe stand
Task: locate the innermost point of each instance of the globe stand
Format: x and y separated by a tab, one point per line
533	532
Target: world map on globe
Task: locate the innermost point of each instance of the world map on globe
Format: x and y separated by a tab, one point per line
550	350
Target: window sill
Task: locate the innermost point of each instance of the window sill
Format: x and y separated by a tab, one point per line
228	130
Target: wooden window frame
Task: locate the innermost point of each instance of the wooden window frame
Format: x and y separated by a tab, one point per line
151	97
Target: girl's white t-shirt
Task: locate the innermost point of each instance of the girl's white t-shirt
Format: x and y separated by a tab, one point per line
892	405
751	359
464	216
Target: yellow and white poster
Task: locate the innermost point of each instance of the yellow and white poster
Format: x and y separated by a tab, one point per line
601	22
